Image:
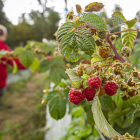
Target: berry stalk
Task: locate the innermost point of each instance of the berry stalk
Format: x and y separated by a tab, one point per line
117	56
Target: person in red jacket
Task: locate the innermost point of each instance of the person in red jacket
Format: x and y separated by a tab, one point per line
5	61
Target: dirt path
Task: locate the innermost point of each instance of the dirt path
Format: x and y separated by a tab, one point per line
21	112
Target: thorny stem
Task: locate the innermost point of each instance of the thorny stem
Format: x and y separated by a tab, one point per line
117	56
123	31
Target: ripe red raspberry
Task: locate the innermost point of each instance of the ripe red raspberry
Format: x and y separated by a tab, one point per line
110	88
94	82
76	97
49	57
89	93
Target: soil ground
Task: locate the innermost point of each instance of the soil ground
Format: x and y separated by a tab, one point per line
22	116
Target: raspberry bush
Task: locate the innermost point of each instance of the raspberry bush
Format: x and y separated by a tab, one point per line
110	72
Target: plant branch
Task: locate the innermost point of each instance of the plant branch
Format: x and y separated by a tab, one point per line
123	31
117	56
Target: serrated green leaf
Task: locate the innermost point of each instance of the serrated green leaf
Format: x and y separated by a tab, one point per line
117	114
18	50
106	103
75	79
56	74
94	20
71	42
128	37
117	18
135	128
101	121
64	30
26	58
130	114
15	68
44	66
131	23
34	66
85	41
50	95
57	108
69	47
120	103
65	93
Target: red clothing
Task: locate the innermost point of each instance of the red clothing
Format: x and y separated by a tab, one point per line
3	67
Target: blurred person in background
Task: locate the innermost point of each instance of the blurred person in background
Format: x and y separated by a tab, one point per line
5	61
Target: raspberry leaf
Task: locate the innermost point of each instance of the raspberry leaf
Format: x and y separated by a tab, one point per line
75	79
78	9
26	58
128	36
120	103
117	18
48	97
64	30
135	128
15	68
101	121
46	64
131	23
94	20
130	114
71	42
34	66
56	74
94	6
106	103
57	107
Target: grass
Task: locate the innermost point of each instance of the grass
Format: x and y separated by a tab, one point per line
22	116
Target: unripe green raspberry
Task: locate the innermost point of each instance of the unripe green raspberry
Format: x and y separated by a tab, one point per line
124	97
125	51
99	43
130	82
79	71
113	37
135	74
102	34
117	68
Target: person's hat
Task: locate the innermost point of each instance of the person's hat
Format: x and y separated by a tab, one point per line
3	33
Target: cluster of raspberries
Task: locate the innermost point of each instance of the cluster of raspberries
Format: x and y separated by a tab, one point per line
94	83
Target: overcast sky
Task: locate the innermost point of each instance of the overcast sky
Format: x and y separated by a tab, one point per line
14	8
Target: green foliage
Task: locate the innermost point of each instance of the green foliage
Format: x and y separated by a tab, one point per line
101	122
75	79
131	23
128	37
35	64
79	129
94	20
26	57
70	43
135	128
57	107
120	103
64	30
118	18
15	68
106	103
